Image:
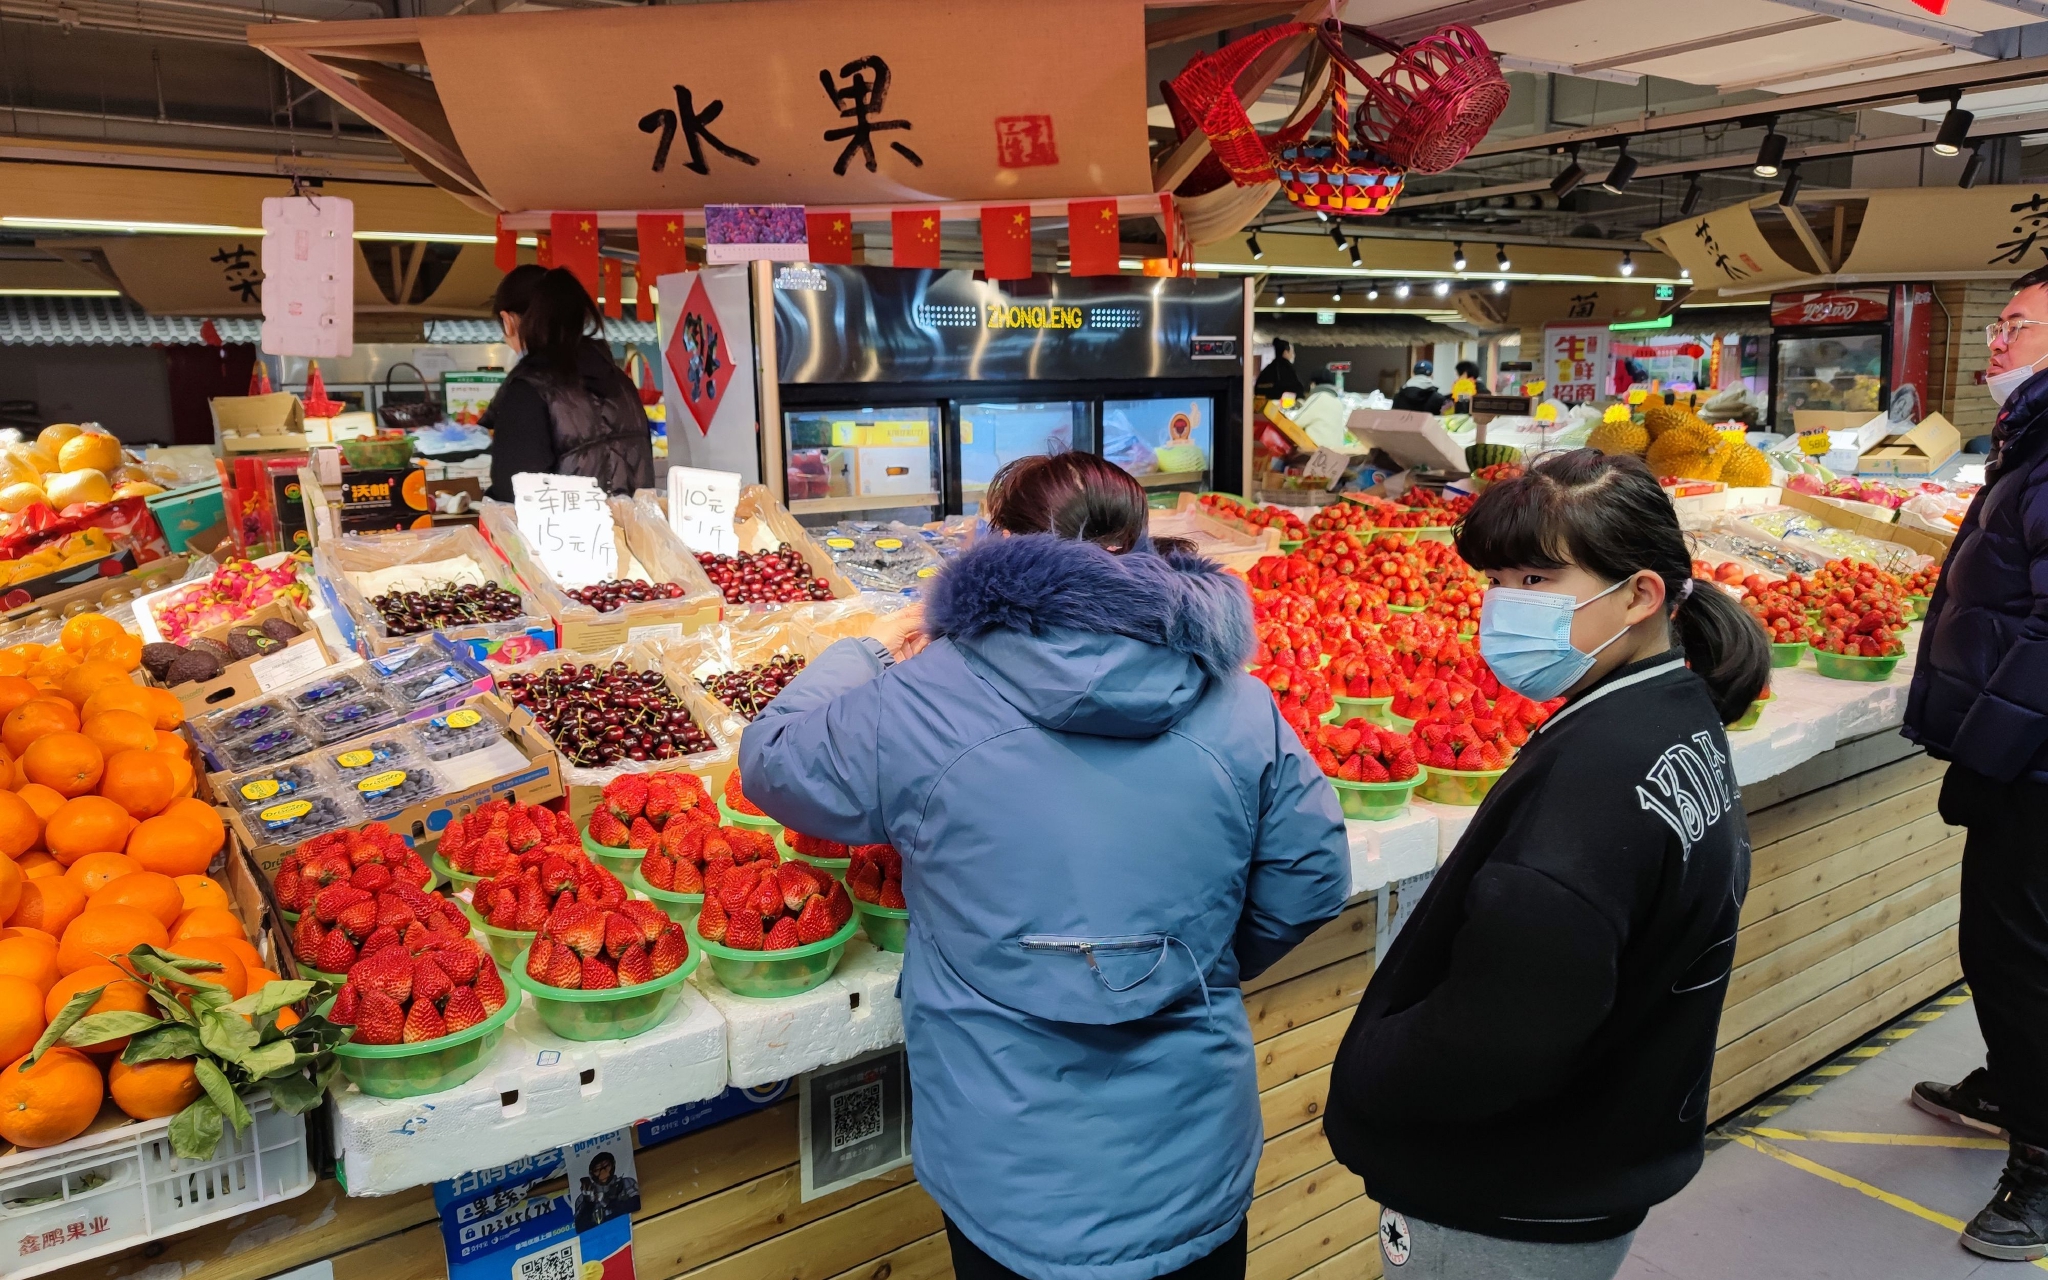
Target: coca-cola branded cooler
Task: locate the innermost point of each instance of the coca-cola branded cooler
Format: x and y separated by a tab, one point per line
1851	351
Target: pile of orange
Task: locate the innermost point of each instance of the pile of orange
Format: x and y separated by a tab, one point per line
102	848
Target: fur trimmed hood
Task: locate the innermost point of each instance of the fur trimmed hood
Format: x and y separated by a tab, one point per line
1037	582
1083	641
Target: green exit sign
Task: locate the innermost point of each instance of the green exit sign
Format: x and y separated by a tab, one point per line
1665	292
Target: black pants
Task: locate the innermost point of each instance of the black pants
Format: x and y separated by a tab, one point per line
1226	1263
2004	937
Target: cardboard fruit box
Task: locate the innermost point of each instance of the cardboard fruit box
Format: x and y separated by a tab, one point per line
762	524
252	677
344	561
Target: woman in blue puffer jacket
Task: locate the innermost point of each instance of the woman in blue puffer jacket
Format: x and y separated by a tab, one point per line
1105	828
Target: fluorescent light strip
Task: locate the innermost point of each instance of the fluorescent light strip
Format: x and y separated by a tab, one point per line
1393	273
60	293
217	229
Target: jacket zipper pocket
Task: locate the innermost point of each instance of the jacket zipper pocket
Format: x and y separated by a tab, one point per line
1087	948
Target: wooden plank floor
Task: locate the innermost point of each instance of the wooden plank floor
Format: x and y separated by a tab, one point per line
1850	920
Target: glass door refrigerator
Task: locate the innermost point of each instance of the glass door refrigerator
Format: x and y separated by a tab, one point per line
878	464
1851	351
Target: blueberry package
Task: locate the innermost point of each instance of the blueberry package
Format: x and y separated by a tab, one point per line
259	789
455	733
402	662
301	818
351	717
246	720
358	760
283	741
431	682
325	691
388	791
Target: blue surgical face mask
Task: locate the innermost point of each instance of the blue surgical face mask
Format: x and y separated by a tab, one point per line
1526	637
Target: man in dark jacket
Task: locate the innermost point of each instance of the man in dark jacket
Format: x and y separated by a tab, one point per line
1419	394
1980	701
1280	377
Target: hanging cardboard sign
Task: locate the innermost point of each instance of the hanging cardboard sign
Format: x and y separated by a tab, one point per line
309	297
798	102
1725	249
568	523
1577	355
1998	232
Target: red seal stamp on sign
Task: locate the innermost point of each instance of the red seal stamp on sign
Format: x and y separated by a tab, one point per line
1025	142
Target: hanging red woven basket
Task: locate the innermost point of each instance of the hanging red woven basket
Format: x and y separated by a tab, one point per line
1335	177
1428	110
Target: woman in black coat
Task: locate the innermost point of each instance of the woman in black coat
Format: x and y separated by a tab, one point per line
567	408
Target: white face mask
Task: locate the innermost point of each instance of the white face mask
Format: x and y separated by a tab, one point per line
2002	385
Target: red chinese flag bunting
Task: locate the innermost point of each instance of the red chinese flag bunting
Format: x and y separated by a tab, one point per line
662	250
1093	238
543	249
574	240
831	237
612	272
508	246
1006	241
916	236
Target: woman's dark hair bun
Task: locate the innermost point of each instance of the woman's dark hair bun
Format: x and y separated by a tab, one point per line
1074	495
1610	517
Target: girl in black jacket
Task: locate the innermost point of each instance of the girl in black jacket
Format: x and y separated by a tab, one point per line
567	408
1528	1071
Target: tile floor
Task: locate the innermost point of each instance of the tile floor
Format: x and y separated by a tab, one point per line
1838	1175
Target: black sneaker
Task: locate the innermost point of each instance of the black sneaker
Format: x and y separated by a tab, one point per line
1967	1102
2014	1226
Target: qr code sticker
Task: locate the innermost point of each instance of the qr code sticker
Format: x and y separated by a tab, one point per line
563	1262
856	1115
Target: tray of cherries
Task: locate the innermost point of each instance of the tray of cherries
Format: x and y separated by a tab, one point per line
601	716
764	577
749	689
614	593
407	613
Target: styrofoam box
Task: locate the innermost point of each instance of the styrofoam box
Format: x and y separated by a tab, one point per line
1385	852
854	1012
539	1091
108	1191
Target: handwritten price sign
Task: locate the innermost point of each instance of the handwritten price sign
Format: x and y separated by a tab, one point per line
569	526
700	509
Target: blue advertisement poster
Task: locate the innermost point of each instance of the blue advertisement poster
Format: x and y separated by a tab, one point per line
565	1214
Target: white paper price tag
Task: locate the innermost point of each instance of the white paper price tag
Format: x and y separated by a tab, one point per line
700	509
1326	464
569	526
289	666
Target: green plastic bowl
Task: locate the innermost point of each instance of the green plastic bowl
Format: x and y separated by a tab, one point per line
618	1013
884	926
1399	724
1840	666
1372	710
734	819
1458	786
1334	715
1377	801
768	974
834	867
1406	608
1747	720
1435	533
1919	607
1290	546
1788	654
460	879
409	1070
681	907
506	945
617	861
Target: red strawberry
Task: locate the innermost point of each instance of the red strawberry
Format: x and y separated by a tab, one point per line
711	920
533	909
464	1010
738	886
379	1019
521	834
838	906
798	884
766	900
429	981
736	800
619	933
635	966
564	969
461	961
423	1022
387	972
598	976
392	911
579	928
1352	770
782	937
647	917
335	899
1441	757
1489	756
1371	770
642	835
664	797
539	957
687	879
607	829
625	797
372	878
336	953
346	1002
743	930
381	937
815	923
892	896
669	951
490	988
1470	759
658	869
1403	767
287	885
307	936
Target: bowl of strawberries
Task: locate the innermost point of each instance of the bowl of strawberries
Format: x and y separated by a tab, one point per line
676	870
875	879
1373	768
738	811
420	1023
607	972
509	908
774	929
1463	757
637	809
369	858
493	836
828	856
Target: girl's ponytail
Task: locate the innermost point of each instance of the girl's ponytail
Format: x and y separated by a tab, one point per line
1609	516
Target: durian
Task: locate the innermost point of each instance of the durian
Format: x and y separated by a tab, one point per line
1747	467
1659	418
1616	438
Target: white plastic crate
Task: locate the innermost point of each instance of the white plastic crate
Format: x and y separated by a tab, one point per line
115	1188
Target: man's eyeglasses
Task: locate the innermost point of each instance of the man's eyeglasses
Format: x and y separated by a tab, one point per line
2005	330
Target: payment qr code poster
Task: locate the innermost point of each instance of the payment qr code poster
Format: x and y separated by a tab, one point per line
853	1121
565	1214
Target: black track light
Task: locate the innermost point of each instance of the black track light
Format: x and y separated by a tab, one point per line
1337	294
1790	195
1441	288
1500	286
1337	234
1955	128
1372	293
1280	298
1500	258
1401	289
1623	172
1972	168
1628	263
1252	240
1771	154
1458	262
1568	181
1357	259
1694	189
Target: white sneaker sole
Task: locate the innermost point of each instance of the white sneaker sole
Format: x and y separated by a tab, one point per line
2004	1252
1953	1116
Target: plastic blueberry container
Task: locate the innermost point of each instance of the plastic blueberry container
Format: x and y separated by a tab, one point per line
258	789
834	867
390	791
232	724
1457	786
1840	666
1377	801
884	926
454	733
769	974
351	717
683	908
1788	654
302	817
325	691
615	1013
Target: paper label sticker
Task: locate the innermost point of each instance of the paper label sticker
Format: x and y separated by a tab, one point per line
287	811
381	781
462	719
841	544
889	544
289	666
261	789
355	759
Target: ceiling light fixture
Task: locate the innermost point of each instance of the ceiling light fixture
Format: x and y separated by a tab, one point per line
1772	153
1694	189
1628	263
1790	195
1372	293
1568	181
1252	241
1500	258
1441	288
1955	127
1280	299
1623	172
1972	167
1337	234
1500	286
1401	289
1337	294
1356	259
1685	273
1457	257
